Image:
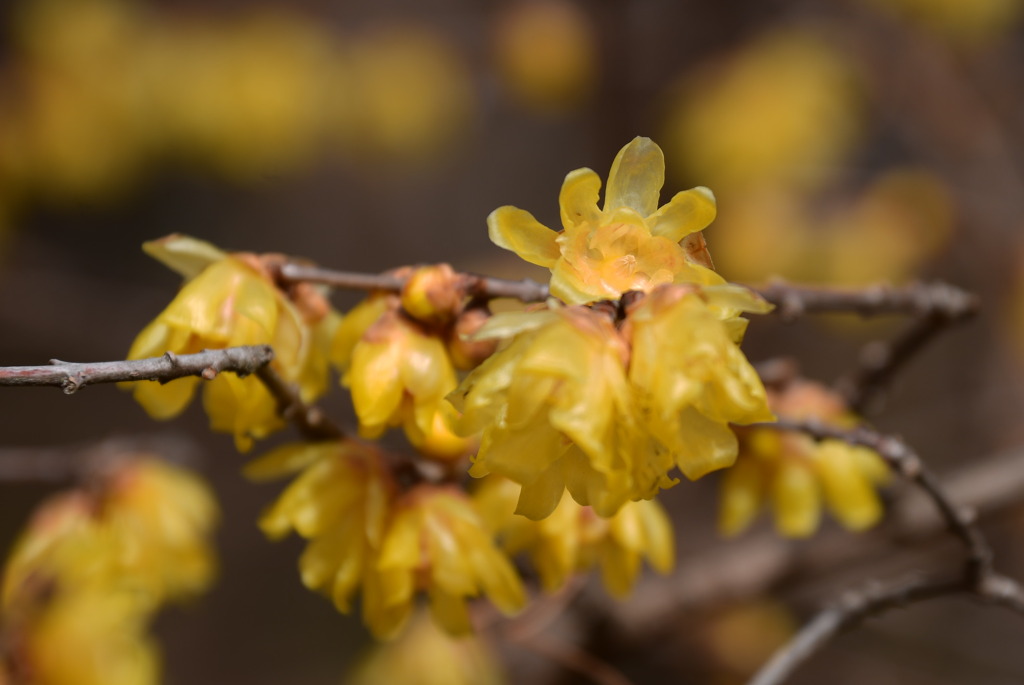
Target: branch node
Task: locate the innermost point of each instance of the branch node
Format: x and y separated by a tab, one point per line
209	373
172	359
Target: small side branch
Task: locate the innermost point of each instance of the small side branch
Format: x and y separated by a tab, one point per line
311	421
71	376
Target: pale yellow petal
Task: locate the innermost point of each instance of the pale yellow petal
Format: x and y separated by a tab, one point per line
636	177
687	212
578	199
167	400
796	498
516	230
703	445
741	494
848	490
184	254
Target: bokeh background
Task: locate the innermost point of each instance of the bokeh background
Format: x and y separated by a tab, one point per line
848	143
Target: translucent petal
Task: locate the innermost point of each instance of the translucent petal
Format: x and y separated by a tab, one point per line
287	459
659	540
636	177
703	445
577	200
848	491
184	254
796	499
516	230
165	401
741	493
539	497
687	212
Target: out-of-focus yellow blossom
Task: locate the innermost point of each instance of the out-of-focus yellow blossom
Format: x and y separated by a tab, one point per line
249	97
437	542
786	107
145	530
574	539
629	244
426	655
86	638
796	475
557	411
341	502
546	54
742	637
399	373
690	377
414	95
228	300
976	23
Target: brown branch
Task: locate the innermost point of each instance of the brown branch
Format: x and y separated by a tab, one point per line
481	287
70	376
921	299
978	579
310	420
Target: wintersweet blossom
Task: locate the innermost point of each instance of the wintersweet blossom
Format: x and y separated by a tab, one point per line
341	502
557	412
797	475
574	539
437	542
399	373
228	300
628	244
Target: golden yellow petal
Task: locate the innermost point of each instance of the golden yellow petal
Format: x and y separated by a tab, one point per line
848	491
741	493
636	177
450	613
577	200
659	540
703	445
516	230
165	401
184	254
796	499
687	212
288	459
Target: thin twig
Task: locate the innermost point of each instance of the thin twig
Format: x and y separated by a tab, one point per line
920	299
71	376
310	420
481	287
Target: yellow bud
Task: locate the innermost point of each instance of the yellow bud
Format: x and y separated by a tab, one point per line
433	294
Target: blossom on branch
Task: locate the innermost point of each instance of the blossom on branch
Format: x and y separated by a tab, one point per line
628	244
797	476
229	300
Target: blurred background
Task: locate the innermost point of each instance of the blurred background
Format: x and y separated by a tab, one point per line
848	143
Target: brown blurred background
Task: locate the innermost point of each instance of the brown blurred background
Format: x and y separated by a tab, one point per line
848	143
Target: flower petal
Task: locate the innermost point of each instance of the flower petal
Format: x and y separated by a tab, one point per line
516	230
687	212
577	200
637	175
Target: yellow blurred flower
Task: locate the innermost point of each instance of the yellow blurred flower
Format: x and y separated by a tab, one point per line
437	542
145	529
426	655
341	502
977	23
690	377
546	54
228	300
88	638
556	410
399	372
629	244
797	475
574	539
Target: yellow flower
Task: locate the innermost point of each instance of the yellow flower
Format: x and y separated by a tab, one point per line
228	300
574	539
426	655
797	475
89	638
399	373
437	542
691	378
144	529
556	410
629	244
341	502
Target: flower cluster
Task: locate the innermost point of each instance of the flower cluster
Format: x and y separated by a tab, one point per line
85	578
796	475
365	534
227	300
398	354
